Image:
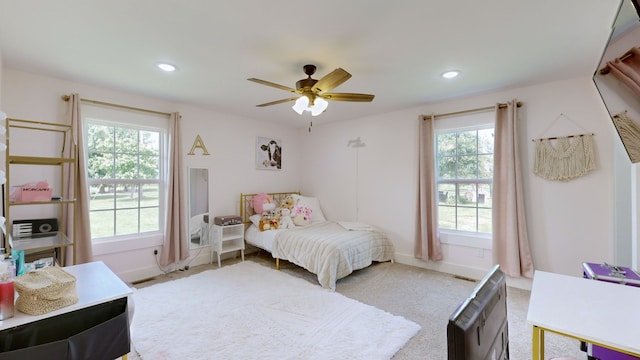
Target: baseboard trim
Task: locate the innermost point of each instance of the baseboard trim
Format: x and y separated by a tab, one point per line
459	270
203	257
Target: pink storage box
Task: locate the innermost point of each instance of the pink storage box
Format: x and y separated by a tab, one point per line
33	192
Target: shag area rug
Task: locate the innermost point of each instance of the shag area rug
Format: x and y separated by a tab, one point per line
249	311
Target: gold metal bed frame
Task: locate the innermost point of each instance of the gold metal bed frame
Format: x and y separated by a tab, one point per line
246	207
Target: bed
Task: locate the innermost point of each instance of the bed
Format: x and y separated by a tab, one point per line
330	249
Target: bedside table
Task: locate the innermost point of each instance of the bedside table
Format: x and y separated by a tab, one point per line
227	239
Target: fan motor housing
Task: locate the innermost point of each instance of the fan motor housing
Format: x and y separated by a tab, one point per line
305	84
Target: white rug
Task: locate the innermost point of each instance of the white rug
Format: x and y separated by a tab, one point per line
249	311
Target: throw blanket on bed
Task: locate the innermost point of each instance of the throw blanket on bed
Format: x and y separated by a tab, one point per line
330	251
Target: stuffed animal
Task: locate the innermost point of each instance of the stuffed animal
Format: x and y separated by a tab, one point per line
269	221
288	203
285	219
263	202
301	215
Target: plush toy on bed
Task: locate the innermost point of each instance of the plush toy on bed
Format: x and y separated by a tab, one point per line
269	221
286	222
288	203
301	215
263	202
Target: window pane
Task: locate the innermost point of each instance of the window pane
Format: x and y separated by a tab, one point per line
150	143
446	144
447	217
484	195
100	138
101	223
102	197
446	193
127	196
485	166
100	166
467	167
127	166
466	219
150	219
467	194
447	167
467	143
485	141
484	220
149	195
126	141
126	221
149	167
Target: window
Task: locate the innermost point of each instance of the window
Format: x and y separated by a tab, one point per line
125	175
464	160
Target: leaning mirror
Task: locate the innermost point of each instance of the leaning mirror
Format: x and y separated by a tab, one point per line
618	77
198	207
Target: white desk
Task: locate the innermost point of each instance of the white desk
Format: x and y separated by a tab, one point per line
593	311
96	285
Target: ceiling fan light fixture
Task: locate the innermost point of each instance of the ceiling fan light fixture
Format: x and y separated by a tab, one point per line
319	106
301	104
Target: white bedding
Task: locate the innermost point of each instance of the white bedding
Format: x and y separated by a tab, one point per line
327	249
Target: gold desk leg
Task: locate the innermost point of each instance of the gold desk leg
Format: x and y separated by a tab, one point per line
124	357
538	343
277	264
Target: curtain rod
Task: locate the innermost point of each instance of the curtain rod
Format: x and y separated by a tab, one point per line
605	70
487	108
67	97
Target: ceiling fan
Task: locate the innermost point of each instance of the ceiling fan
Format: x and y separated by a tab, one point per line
314	93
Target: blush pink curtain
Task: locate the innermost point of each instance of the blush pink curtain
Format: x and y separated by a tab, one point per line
628	70
510	239
427	243
175	247
77	229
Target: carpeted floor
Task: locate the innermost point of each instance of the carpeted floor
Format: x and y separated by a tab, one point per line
277	317
423	296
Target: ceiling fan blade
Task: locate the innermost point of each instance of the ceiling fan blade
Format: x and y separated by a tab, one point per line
277	102
349	97
277	86
330	81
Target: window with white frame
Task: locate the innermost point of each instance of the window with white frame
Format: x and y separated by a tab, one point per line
125	167
464	158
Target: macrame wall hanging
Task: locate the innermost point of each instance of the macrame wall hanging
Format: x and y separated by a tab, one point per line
629	132
564	158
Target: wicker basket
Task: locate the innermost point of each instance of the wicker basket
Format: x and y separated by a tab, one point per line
45	290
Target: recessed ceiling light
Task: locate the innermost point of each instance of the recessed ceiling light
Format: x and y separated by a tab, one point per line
450	74
167	67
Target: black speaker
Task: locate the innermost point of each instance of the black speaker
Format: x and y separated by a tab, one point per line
35	226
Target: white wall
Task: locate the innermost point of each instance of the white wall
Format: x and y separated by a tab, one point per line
230	141
569	223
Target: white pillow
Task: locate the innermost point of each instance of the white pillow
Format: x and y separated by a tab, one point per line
255	219
314	204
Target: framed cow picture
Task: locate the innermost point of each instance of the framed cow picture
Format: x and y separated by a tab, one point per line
268	153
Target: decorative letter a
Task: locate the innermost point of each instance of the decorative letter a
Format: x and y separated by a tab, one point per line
198	143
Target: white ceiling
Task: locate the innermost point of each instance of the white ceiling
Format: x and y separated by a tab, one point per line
395	50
